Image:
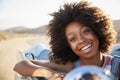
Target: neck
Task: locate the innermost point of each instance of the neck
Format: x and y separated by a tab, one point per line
96	60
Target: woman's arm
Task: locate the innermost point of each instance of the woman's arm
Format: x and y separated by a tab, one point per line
35	68
59	67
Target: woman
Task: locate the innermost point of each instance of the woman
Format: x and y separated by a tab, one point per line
81	34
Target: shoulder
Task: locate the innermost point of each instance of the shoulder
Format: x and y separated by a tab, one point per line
108	57
107	62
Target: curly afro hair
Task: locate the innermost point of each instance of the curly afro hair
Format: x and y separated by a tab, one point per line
86	14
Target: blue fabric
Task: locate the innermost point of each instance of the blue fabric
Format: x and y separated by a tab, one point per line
37	52
116	50
115	66
43	55
76	64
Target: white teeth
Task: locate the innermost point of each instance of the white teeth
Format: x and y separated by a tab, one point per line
86	47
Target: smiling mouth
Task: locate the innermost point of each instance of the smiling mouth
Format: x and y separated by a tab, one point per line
86	47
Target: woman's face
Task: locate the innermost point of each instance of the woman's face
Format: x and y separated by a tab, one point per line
82	40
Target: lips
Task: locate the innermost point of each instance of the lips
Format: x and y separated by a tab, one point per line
86	47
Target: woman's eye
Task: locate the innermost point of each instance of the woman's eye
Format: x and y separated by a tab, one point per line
86	31
73	39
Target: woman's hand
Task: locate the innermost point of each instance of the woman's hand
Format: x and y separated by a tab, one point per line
48	73
57	76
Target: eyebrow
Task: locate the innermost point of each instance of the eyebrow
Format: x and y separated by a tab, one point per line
69	34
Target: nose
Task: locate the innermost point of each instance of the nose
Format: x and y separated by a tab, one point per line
81	39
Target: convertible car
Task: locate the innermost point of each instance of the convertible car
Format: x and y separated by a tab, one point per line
41	52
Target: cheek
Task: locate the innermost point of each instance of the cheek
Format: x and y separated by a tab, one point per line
96	41
73	46
91	36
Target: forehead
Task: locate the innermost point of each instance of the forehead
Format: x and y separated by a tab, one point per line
74	26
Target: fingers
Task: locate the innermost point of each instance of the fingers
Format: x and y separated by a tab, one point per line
57	77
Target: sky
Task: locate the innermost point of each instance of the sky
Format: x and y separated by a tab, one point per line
35	13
